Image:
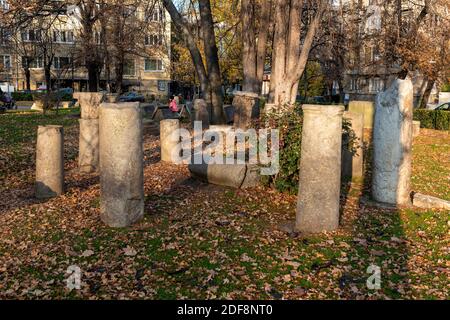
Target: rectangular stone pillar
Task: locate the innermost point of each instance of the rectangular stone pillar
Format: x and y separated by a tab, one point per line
121	164
170	138
392	144
320	169
246	109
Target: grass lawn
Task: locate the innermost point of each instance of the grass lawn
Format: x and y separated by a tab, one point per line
206	242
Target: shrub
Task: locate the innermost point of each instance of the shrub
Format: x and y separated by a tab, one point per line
445	87
22	96
290	125
433	119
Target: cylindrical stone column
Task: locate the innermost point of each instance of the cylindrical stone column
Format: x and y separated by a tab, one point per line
169	138
89	103
49	162
320	169
121	164
392	144
88	160
352	160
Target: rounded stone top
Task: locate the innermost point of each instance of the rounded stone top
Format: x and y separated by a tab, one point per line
121	105
50	126
246	94
324	109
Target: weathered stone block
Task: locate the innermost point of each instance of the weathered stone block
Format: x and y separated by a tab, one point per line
416	128
88	157
367	108
49	162
121	164
320	169
89	103
170	139
246	109
429	202
392	144
201	112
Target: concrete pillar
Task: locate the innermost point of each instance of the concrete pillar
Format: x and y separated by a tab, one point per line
169	138
320	169
89	103
121	164
88	158
246	109
392	144
201	112
352	160
49	162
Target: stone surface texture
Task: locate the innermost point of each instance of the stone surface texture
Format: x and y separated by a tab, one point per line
352	162
169	139
392	144
320	169
429	202
121	164
238	176
246	109
49	162
88	157
367	108
201	112
416	128
89	103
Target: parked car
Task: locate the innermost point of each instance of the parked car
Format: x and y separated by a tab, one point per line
445	107
132	97
7	102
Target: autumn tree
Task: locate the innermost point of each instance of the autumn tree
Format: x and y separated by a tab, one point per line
296	24
208	71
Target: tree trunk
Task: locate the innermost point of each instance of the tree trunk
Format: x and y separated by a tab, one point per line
92	77
28	77
254	43
212	62
289	55
427	93
119	77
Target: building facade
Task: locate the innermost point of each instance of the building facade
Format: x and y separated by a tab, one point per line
146	66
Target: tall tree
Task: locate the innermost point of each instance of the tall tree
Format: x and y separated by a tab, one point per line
291	46
255	32
209	76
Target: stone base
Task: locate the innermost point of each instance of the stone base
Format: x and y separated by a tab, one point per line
416	128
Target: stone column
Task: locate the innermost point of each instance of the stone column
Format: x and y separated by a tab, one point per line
320	169
392	143
49	162
111	97
88	141
201	112
246	109
121	164
88	158
352	160
89	103
169	138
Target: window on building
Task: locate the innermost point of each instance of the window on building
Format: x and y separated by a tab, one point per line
354	84
63	36
376	85
156	15
34	63
5	62
129	67
153	40
5	35
31	35
153	65
62	62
